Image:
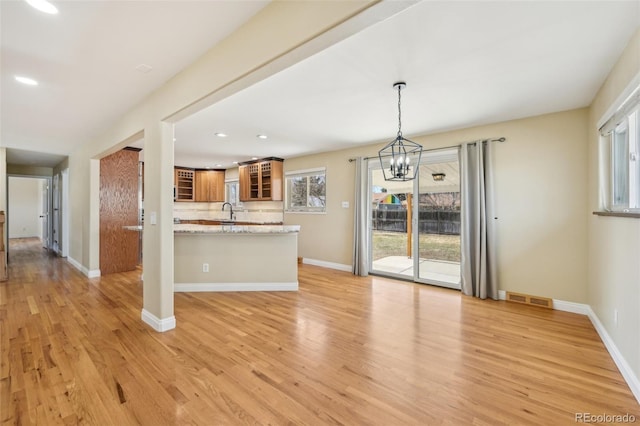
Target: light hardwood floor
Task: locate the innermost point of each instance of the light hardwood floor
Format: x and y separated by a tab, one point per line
343	350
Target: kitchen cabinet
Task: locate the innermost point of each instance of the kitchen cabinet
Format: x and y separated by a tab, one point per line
261	180
209	185
184	184
3	255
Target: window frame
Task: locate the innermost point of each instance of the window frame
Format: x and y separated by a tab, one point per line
628	171
304	173
625	105
235	182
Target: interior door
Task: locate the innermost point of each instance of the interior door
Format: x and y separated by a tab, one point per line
44	215
56	214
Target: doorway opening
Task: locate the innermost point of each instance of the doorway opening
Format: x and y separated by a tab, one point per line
29	209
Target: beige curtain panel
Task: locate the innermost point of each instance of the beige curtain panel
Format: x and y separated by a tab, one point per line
478	220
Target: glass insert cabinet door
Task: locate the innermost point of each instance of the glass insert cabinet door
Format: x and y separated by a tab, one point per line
414	226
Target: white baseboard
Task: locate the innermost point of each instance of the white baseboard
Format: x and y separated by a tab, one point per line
576	308
624	367
95	273
158	324
330	265
584	309
212	287
77	265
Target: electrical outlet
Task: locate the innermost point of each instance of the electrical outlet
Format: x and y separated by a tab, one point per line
205	267
615	317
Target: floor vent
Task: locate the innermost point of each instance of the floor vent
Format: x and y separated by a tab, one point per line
530	300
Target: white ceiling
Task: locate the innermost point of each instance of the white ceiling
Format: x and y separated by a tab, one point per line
465	64
85	58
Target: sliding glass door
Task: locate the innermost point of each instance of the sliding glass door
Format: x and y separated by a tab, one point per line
414	226
437	211
390	243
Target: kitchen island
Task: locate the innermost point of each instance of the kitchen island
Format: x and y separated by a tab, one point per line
235	257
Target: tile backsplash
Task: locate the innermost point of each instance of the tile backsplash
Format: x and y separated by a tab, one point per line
251	211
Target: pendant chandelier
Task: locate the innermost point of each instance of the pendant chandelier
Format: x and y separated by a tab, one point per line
400	158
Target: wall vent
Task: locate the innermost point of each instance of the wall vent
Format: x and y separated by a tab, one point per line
529	300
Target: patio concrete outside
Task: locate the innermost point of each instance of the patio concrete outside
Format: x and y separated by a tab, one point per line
431	270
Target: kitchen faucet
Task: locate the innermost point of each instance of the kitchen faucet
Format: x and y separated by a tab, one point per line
230	210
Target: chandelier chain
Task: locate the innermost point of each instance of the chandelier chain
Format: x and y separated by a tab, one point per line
399	113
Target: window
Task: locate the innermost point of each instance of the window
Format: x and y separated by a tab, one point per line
621	136
232	191
306	191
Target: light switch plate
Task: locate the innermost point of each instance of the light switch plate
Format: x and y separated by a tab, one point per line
345	204
153	218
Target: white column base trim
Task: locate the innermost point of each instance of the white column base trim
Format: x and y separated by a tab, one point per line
580	308
330	265
76	264
158	324
217	287
622	364
89	274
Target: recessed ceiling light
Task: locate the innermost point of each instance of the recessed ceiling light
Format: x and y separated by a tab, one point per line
144	68
26	80
43	6
261	136
208	167
254	158
221	135
235	162
218	165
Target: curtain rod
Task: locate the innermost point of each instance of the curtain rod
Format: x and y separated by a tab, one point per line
500	139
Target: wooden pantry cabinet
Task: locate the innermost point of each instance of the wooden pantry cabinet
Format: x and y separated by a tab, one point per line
261	180
209	185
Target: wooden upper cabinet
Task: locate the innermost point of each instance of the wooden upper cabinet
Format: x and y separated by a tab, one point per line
244	182
209	185
184	184
261	180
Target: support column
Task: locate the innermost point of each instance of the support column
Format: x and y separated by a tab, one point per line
157	244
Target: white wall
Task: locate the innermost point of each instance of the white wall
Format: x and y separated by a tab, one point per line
25	207
541	175
614	242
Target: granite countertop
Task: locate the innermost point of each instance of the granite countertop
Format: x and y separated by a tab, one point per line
223	222
235	229
187	228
